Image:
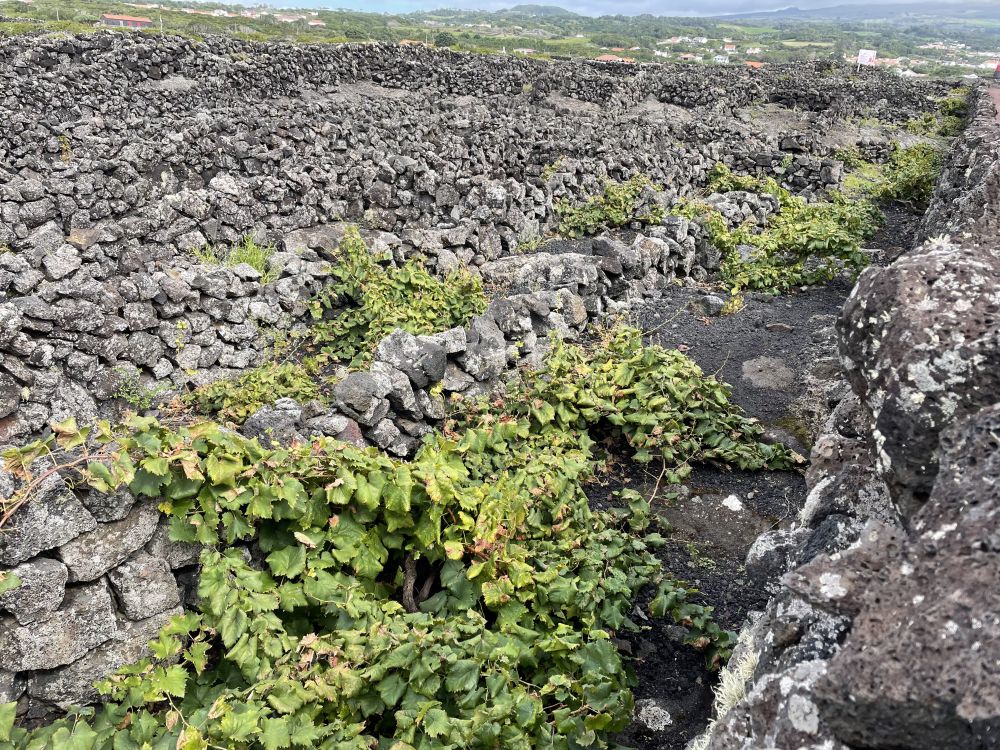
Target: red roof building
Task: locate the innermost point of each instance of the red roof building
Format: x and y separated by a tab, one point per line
614	59
128	22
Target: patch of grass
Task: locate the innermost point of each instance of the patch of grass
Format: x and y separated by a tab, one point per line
18	28
798	44
698	557
850	156
948	120
65	149
248	251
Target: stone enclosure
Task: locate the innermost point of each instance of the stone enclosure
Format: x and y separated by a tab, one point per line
124	157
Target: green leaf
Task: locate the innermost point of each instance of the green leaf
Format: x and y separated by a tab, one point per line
169	681
145	483
197	655
437	723
288	561
391	689
463	677
233	625
274	733
8	712
222	468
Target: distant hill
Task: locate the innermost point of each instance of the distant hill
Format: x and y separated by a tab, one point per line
546	11
989	10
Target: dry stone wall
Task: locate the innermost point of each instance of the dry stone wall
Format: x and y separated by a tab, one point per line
123	154
100	575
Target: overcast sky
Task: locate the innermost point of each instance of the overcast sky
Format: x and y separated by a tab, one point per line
588	7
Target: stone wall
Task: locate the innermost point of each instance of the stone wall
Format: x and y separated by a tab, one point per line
885	631
100	575
122	155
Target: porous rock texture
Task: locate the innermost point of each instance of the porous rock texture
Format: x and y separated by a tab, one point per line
885	630
126	161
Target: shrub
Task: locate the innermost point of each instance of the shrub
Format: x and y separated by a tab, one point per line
850	156
616	206
444	39
366	301
467	598
909	176
949	118
953	111
803	243
926	124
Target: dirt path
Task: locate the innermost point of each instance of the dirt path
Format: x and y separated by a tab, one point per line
765	351
779	355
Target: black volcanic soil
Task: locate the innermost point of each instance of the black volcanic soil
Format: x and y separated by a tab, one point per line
719	513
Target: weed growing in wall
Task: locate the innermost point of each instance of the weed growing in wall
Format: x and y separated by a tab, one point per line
238	398
616	206
467	598
132	390
248	251
364	302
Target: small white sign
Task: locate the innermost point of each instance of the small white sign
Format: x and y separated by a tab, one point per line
866	57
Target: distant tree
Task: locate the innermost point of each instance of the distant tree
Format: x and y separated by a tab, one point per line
609	40
444	39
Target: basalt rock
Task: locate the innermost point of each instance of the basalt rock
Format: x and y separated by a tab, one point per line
919	666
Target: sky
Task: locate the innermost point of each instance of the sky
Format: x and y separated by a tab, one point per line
586	7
